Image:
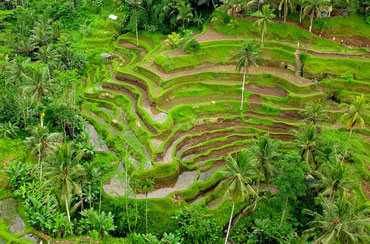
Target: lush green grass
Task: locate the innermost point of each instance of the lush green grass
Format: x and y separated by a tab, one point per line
282	33
319	67
353	25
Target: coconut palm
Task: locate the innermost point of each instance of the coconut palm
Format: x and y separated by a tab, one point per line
266	17
8	130
16	71
26	46
246	57
39	85
306	139
41	144
263	153
335	177
238	174
315	112
286	5
343	221
315	7
148	186
302	4
136	4
356	112
40	36
46	54
185	13
63	172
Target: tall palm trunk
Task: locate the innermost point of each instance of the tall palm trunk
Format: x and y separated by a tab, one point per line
245	72
284	212
146	212
231	219
262	37
285	12
300	15
258	188
137	33
67	208
311	20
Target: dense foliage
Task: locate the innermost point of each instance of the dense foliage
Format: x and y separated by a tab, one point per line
303	190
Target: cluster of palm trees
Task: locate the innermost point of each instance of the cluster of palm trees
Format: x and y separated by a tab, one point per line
344	219
181	9
62	165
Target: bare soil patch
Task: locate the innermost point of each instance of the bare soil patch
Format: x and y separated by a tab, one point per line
212	35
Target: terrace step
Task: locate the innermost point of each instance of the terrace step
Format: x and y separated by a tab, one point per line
299	63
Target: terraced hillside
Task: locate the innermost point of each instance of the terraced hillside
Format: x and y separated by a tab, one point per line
173	117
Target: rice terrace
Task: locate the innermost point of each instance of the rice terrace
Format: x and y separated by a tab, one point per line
184	121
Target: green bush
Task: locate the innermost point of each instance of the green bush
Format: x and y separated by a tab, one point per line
192	47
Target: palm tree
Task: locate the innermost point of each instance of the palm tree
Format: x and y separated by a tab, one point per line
266	17
335	177
46	54
355	114
262	153
63	172
26	46
185	13
315	7
17	70
306	139
301	4
148	186
287	5
246	57
8	130
39	85
315	112
136	4
238	174
343	221
40	36
41	144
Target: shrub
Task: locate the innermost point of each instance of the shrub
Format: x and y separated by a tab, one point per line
348	76
172	40
91	220
192	47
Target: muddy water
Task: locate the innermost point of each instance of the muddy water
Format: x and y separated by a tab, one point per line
148	163
99	145
8	212
31	237
116	186
183	182
205	175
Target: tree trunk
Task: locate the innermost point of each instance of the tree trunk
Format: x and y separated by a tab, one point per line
300	15
231	218
283	215
137	33
101	186
262	38
311	20
242	102
128	218
146	212
285	13
258	188
40	166
67	209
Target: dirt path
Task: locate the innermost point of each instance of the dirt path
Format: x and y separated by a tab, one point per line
212	35
331	55
184	180
180	51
